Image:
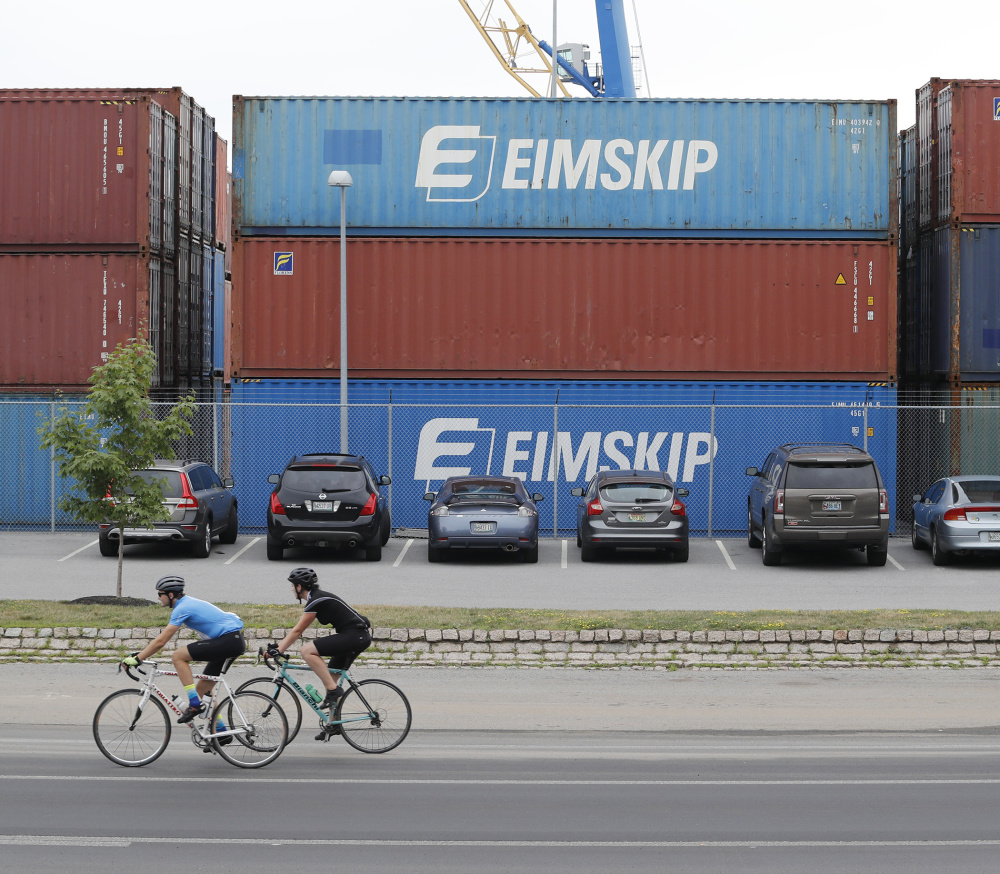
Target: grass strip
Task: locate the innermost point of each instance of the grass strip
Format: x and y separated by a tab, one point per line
62	614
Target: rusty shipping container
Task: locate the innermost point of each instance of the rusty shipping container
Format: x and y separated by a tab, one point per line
63	313
222	237
553	308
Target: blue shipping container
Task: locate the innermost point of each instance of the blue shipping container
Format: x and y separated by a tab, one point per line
554	435
737	168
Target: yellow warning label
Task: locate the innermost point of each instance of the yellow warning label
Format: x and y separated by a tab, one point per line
871	301
871	432
841	280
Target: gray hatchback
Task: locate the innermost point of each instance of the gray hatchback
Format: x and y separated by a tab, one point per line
815	495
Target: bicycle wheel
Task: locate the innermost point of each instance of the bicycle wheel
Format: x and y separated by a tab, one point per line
127	734
285	695
375	716
265	729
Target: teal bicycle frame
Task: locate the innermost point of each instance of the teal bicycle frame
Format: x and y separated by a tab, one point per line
281	673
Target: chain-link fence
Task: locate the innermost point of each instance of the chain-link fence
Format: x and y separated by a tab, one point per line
552	447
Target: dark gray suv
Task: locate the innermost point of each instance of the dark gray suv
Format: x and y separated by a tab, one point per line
815	495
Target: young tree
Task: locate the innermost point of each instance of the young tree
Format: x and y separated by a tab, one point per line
116	434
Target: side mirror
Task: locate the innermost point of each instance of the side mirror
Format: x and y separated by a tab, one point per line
384	480
430	496
577	492
917	499
683	493
274	478
752	471
536	497
228	482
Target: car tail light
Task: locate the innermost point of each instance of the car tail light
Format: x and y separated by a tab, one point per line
958	514
779	501
276	508
369	508
188	501
108	497
883	501
594	508
678	509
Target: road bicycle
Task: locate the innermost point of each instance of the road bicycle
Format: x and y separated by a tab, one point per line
373	716
132	726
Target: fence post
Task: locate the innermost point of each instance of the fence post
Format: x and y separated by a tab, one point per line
865	447
555	468
389	471
52	467
711	466
215	434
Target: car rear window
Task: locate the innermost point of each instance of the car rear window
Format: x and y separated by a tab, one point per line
637	493
982	490
169	479
323	479
857	475
478	491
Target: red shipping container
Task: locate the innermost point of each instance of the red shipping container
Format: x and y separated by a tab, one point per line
62	314
75	174
968	144
223	200
506	308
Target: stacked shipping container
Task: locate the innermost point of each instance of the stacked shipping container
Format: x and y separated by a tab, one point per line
106	193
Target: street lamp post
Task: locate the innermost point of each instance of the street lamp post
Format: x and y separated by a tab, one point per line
342	179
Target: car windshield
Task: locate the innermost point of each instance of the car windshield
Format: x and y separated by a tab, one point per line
637	492
831	477
981	490
169	479
323	479
483	491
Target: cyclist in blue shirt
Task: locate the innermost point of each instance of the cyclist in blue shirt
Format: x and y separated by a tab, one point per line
222	642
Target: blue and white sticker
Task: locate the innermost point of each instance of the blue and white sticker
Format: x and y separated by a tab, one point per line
283	263
996	108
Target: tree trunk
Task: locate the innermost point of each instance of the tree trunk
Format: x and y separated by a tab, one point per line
121	556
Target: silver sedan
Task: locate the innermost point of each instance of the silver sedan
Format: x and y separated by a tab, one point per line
957	515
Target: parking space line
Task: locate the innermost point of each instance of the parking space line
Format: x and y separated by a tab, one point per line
896	563
406	546
81	549
725	555
238	554
565	548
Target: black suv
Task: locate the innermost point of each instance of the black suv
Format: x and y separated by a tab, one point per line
328	500
818	495
200	503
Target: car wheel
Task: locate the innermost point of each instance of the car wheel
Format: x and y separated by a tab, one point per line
588	553
938	555
374	553
915	538
753	541
530	555
275	552
232	527
768	554
579	540
681	553
108	547
877	555
386	529
434	555
202	547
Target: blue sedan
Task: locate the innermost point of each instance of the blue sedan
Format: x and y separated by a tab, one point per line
482	512
958	515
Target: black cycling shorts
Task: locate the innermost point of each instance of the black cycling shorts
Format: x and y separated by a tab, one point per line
343	648
219	652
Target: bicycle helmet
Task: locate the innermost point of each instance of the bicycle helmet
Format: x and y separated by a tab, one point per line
304	577
170	583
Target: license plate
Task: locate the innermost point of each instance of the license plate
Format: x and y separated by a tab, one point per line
322	505
994	536
484	527
832	505
636	517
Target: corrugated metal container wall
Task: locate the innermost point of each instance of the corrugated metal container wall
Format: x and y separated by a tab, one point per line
927	137
208	179
76	174
966	303
207	307
223	230
511	166
645	308
968	182
69	312
182	312
220	315
170	186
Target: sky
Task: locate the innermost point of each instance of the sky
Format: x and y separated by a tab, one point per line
874	50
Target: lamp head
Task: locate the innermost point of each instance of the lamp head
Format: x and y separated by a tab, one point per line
340	179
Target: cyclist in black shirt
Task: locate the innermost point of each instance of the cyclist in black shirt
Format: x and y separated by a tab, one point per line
351	638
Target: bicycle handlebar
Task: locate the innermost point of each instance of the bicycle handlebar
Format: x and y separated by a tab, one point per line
262	654
128	670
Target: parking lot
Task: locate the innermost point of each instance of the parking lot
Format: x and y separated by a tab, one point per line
722	574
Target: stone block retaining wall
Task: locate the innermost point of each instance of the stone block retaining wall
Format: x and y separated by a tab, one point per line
605	648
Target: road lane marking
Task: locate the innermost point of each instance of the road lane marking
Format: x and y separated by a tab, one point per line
81	549
725	555
896	563
565	551
406	546
245	548
124	841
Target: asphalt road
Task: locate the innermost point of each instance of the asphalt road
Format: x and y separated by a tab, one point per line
512	801
721	575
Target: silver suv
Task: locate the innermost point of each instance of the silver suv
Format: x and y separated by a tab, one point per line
815	495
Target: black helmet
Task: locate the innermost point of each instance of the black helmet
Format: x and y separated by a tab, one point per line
171	583
304	577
